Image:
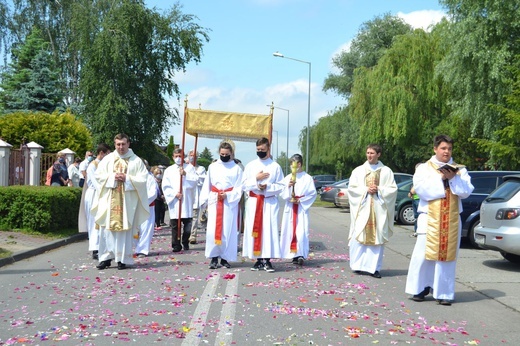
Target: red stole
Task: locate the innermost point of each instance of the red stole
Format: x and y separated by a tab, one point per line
294	240
258	223
220	215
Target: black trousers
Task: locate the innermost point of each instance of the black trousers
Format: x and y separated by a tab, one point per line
185	234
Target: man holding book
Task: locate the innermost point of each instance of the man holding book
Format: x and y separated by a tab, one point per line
440	185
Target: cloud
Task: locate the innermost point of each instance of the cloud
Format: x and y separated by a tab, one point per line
423	19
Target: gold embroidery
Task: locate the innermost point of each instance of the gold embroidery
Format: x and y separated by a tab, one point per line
117	199
443	226
370	231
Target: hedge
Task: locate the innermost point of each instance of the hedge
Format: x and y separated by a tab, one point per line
39	208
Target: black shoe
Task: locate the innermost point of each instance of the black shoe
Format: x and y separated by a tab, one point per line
300	261
95	254
104	264
268	267
186	246
376	275
225	263
121	266
443	302
176	248
258	265
213	264
420	297
295	260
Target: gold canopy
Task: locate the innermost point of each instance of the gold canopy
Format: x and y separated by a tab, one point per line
237	126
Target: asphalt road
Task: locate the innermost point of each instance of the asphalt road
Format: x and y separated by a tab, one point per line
173	298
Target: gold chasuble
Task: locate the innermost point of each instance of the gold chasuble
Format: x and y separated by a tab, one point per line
369	236
443	225
117	200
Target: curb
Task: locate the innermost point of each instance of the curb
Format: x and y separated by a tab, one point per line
44	248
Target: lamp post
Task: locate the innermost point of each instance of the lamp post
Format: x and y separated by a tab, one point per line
287	146
280	55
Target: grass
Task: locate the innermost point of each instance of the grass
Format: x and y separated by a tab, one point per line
319	203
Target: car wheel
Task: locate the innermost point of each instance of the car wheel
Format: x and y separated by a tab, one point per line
471	234
406	216
510	257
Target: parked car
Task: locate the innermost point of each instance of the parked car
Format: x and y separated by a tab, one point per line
324	179
484	182
342	197
403	204
499	227
328	192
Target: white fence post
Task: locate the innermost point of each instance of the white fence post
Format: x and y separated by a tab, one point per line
34	164
5	154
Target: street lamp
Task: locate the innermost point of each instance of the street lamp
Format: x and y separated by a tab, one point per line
287	147
280	55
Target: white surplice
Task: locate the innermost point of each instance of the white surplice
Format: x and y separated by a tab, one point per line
118	245
306	191
222	176
90	195
170	186
270	245
439	275
147	228
369	258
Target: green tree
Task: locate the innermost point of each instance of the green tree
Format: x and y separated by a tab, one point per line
130	68
32	81
400	102
371	42
54	132
206	154
504	149
482	43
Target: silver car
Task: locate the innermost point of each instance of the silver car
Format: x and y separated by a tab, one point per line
499	227
328	192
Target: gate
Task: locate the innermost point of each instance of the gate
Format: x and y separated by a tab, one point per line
19	166
45	163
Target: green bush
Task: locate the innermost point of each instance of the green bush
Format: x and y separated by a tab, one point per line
39	208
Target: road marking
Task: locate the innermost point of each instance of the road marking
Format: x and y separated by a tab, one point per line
225	329
194	336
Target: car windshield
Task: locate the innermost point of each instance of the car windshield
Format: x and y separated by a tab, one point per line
505	191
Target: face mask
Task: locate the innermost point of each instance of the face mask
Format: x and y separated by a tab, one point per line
192	159
177	161
159	176
261	154
225	158
90	158
61	160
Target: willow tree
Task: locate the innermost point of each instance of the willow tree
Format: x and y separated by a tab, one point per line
130	68
483	43
369	45
400	102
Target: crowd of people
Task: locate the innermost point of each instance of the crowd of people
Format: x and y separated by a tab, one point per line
125	201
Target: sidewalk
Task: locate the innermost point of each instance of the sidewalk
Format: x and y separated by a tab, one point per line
24	246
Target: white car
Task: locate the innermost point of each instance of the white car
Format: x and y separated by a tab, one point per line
499	227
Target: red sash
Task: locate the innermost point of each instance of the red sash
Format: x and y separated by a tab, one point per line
220	215
258	223
294	240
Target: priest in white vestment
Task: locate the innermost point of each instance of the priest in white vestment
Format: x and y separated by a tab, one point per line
122	203
434	258
263	182
221	195
180	199
299	195
372	192
142	247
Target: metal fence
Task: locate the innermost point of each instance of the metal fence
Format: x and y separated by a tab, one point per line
19	166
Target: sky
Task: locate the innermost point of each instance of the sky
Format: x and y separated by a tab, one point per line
238	72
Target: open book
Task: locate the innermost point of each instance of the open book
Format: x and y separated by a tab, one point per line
454	167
